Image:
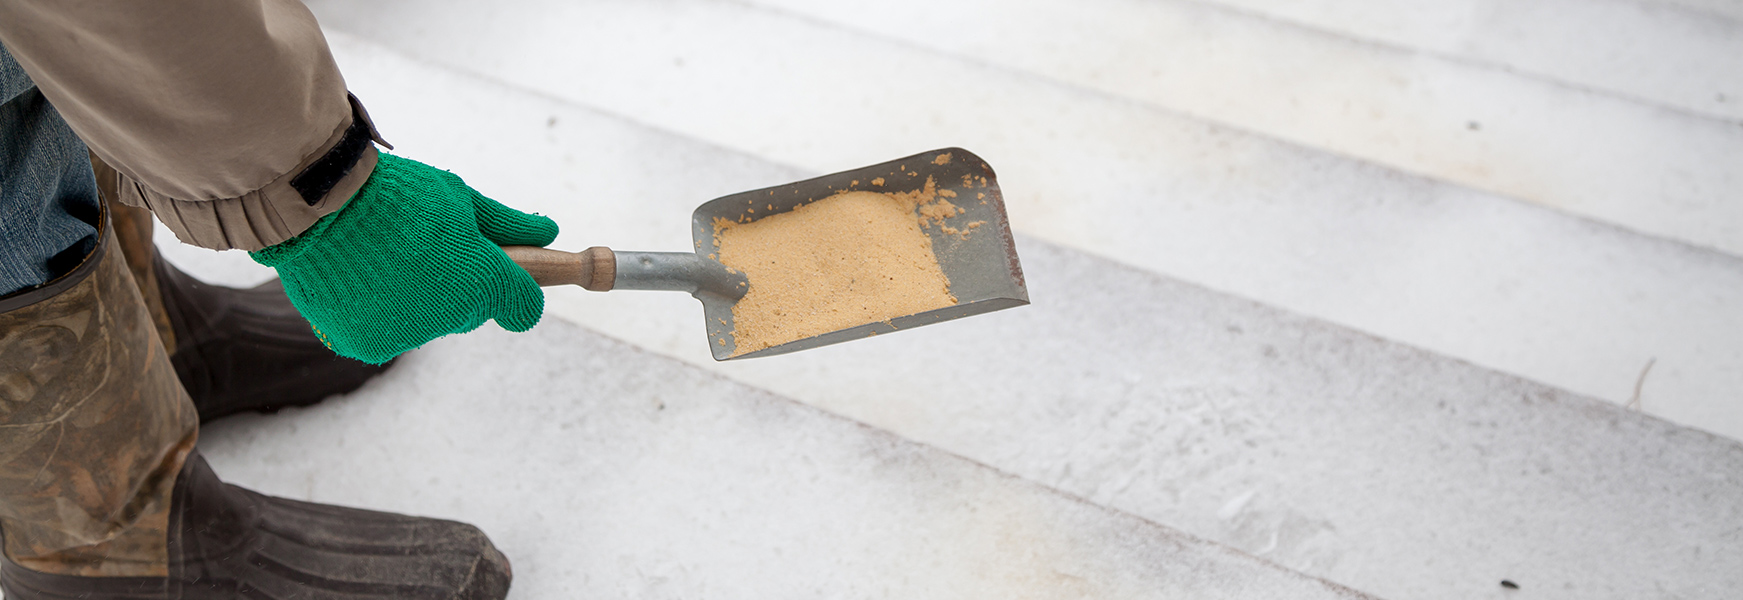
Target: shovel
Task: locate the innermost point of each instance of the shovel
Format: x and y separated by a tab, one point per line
981	265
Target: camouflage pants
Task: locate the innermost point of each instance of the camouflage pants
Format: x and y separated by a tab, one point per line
94	427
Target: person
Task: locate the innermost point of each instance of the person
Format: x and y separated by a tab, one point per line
230	122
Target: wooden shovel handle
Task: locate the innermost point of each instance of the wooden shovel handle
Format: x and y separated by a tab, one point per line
594	268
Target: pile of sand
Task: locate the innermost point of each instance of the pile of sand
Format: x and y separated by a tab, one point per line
847	260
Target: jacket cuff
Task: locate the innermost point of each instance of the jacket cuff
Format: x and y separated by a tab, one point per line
321	184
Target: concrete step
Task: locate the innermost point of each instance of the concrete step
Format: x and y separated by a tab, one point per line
1673	174
1567	301
914	69
1730	9
1389	469
603	471
1685	55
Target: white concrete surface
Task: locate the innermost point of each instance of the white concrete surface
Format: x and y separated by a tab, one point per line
1382	467
1731	9
603	471
879	73
1507	285
1388	469
1681	54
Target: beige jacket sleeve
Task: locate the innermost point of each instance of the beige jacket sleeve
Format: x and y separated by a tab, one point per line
208	111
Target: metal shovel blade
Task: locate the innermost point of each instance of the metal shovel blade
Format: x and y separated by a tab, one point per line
980	261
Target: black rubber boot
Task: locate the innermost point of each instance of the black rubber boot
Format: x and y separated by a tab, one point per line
226	542
240	350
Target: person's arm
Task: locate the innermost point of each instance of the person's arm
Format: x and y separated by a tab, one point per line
227	118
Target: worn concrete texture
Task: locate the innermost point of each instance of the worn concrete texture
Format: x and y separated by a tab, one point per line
1615	158
603	471
1544	293
1327	451
1669	173
1373	464
1681	54
1389	469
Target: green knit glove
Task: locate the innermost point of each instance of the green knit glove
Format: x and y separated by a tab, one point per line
412	257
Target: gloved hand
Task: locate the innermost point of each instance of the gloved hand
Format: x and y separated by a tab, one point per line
412	257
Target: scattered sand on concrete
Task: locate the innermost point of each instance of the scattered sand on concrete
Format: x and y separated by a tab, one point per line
847	260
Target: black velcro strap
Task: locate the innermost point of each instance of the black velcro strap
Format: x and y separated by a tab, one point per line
314	182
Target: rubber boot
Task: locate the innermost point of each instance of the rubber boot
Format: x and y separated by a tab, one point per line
235	350
227	542
249	349
103	497
95	425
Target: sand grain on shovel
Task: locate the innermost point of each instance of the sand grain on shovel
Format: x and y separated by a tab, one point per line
844	261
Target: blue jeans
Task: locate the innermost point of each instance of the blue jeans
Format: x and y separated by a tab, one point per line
48	197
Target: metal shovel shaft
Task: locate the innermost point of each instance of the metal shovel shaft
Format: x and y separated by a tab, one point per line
601	269
679	272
